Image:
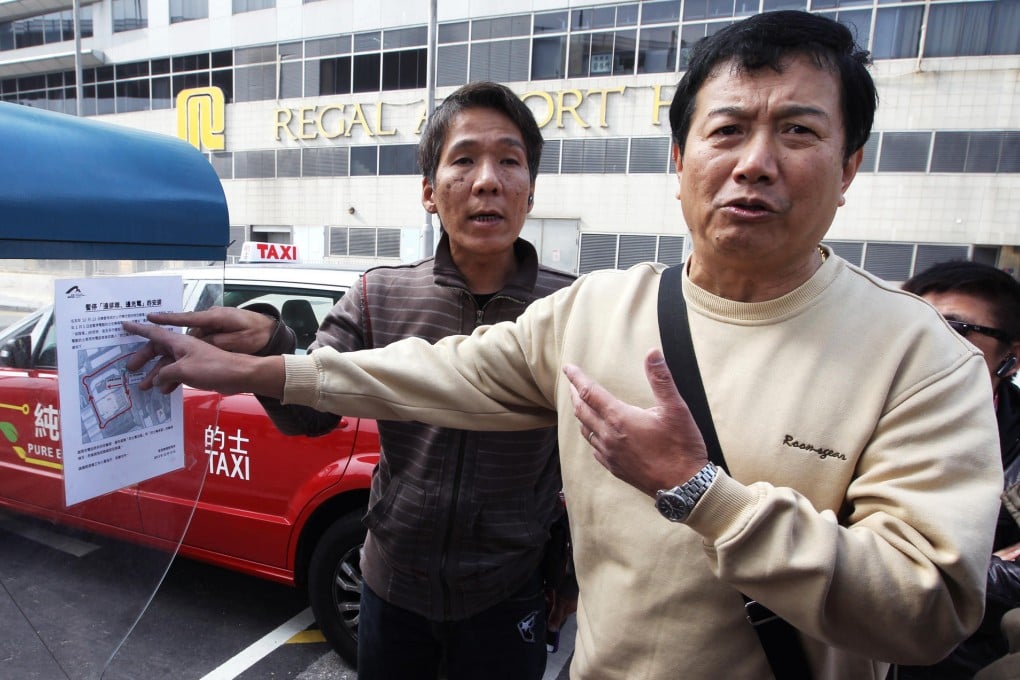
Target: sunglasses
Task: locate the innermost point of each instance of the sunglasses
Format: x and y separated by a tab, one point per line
965	329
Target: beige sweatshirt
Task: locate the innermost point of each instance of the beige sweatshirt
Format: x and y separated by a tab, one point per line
859	433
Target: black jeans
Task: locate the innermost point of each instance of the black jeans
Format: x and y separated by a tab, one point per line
506	641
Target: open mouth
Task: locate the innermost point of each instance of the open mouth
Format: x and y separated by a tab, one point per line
749	208
486	217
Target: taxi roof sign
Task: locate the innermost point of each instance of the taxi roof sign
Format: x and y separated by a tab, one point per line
258	251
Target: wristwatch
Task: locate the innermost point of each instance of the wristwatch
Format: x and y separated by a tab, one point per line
677	503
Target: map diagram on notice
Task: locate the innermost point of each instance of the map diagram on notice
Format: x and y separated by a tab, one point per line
111	403
124	434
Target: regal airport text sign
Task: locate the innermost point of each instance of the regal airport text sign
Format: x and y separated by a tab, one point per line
570	107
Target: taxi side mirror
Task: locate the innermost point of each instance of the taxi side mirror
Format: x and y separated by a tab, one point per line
17	352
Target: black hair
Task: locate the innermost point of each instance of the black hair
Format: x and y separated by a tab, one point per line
767	40
983	281
478	95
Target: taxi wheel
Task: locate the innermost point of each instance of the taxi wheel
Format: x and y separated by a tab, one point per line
334	584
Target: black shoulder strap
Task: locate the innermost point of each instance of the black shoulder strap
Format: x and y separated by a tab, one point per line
778	638
677	347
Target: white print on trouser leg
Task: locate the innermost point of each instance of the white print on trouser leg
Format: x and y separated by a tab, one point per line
526	626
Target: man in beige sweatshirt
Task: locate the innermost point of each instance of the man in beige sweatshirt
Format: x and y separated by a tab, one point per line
858	428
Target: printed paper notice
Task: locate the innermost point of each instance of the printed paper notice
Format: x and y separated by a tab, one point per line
125	435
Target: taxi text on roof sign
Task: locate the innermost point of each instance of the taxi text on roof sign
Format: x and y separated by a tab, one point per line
255	251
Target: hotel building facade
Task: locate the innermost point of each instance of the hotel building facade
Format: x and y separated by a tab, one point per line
310	113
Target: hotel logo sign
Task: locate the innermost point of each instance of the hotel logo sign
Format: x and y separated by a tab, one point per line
200	118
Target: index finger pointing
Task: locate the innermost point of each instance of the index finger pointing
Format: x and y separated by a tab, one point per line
135	328
145	353
588	391
178	318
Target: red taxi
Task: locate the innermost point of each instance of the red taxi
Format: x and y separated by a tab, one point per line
283	508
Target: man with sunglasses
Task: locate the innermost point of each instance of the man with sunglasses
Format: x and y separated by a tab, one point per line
982	304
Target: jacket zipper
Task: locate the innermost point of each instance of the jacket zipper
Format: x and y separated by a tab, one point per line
455	498
451	522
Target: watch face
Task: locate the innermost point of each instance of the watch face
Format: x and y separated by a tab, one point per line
672	506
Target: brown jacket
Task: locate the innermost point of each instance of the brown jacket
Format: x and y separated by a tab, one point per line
457	519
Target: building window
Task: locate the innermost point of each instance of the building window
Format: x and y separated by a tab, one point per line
366	72
650	154
133	95
973	29
621	251
398	159
369	41
396	38
593	17
288	163
241	6
976	151
363	242
889	261
1009	157
455	32
904	152
661	12
773	5
328	76
188	10
897	262
851	251
325	162
858	21
897	32
928	255
602	54
657	53
364	160
324	47
44	29
635	248
254	164
690	35
501	61
550	161
869	161
223	164
129	15
551	22
598	251
713	9
404	70
255	83
501	27
547	57
451	65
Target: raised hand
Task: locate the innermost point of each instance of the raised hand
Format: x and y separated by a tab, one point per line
229	328
650	449
188	360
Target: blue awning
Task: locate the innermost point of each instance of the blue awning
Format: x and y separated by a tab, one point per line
75	188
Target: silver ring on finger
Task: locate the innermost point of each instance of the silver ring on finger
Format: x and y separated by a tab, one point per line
591	435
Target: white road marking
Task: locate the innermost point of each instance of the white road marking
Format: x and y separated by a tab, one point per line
51	539
261	648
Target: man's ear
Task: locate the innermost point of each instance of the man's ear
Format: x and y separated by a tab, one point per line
1014	350
850	166
427	196
678	162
